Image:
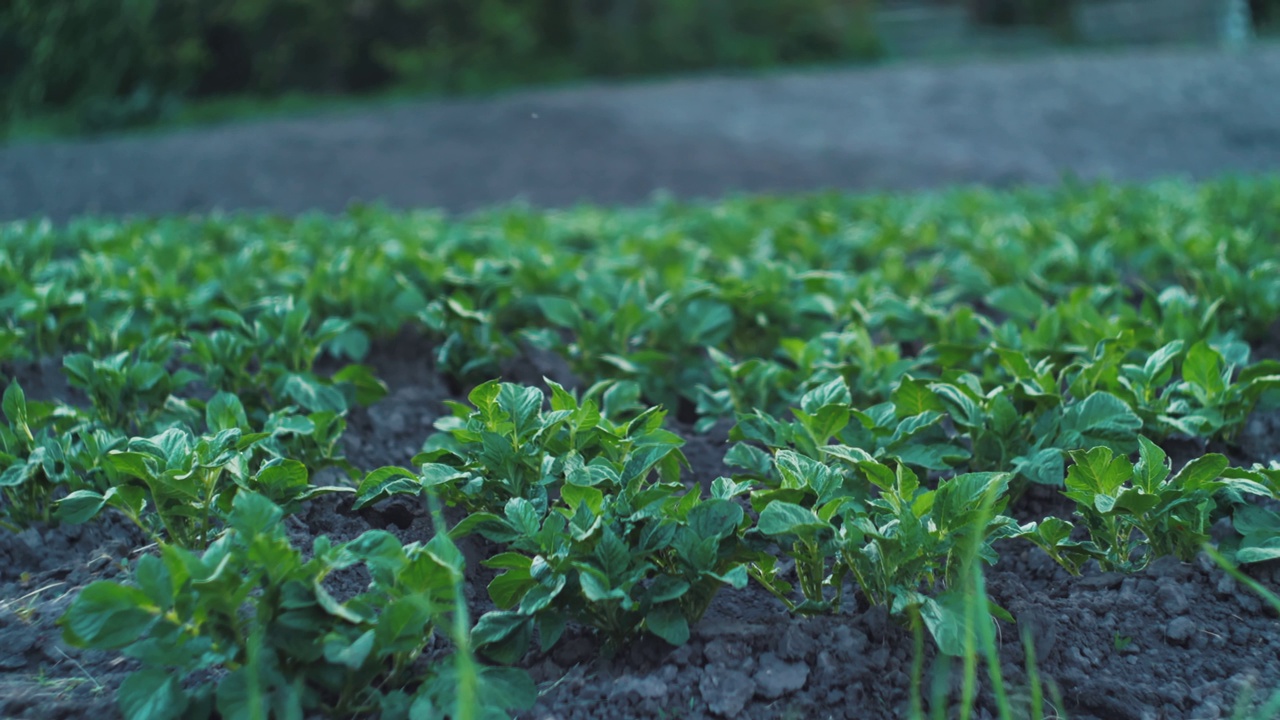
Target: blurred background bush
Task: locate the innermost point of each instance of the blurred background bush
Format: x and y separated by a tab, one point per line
118	62
115	63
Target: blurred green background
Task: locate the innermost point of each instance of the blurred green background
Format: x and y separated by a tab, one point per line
94	65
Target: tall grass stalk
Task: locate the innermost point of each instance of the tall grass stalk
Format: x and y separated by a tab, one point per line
1271	708
467	705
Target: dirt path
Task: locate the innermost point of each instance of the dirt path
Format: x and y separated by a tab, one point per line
1131	115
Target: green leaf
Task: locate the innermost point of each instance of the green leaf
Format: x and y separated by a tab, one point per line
107	616
945	620
1052	530
1258	549
503	636
1136	502
1098	471
877	472
507	589
667	622
966	493
225	411
1203	368
433	475
523	516
351	655
132	464
1161	359
749	457
1105	416
153	578
379	549
1045	467
522	405
596	586
313	395
561	311
574	495
798	471
402	627
368	388
666	588
487	524
80	506
152	694
561	399
964	410
1201	473
1152	467
612	555
508	688
913	397
834	392
385	482
253	514
715	518
281	478
236	700
783	518
14	405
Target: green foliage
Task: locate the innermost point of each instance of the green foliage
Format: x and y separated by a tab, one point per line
120	62
1135	513
252	606
176	485
863	519
596	525
33	458
130	390
268	360
125	62
899	370
629	560
507	445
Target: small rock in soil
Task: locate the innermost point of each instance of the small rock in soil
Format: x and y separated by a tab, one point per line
1168	566
644	688
1226	586
849	642
1101	581
1180	630
1043	629
796	644
726	691
1209	710
879	658
686	654
776	678
727	652
1250	603
1171	599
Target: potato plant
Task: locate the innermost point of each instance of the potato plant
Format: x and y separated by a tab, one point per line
898	372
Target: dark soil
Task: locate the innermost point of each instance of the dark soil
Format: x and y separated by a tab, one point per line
1175	641
1127	115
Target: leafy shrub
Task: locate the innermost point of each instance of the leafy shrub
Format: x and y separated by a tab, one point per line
123	62
595	525
251	607
120	62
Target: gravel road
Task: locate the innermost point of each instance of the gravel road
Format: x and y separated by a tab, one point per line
1128	115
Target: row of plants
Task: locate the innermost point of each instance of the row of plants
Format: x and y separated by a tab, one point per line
590	524
896	372
676	296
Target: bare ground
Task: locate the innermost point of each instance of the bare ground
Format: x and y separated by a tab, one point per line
1129	115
